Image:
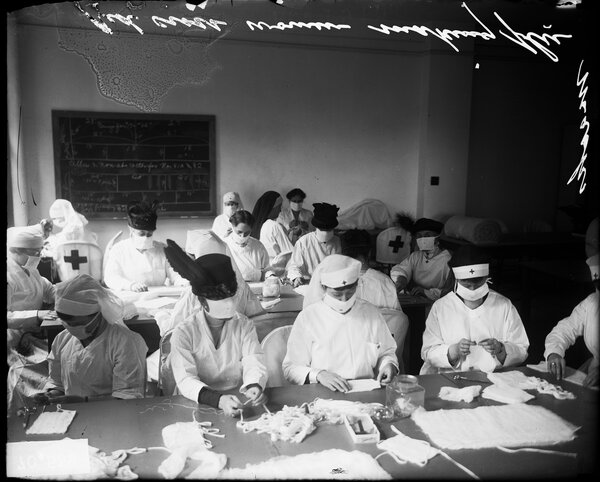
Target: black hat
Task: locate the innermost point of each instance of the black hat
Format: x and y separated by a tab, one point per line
426	224
469	262
325	216
142	215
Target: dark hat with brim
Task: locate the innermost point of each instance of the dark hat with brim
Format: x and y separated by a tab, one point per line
325	216
142	215
426	224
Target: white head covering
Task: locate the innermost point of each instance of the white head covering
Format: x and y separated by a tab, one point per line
592	262
203	241
83	295
24	237
73	221
471	271
233	196
338	271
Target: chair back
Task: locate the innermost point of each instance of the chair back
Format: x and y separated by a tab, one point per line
397	322
274	346
392	245
166	380
109	246
79	257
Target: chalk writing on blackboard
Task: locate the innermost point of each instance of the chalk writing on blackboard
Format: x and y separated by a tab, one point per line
103	161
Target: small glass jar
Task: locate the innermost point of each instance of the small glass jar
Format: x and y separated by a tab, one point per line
271	287
404	395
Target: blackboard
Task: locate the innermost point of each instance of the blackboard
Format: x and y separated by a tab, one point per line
103	161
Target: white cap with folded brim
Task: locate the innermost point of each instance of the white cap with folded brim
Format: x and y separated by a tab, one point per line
338	271
592	263
24	237
471	271
203	241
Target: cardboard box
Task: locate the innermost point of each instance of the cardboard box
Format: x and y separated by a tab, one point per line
361	429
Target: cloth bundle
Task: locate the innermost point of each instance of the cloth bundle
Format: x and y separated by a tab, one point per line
518	379
327	464
186	440
366	214
513	425
406	449
506	394
475	230
466	394
290	424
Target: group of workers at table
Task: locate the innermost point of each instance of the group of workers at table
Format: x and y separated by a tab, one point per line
340	334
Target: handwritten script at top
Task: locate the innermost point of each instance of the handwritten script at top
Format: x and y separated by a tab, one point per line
584	126
532	41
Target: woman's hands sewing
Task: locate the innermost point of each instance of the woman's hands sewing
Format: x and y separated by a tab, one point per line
255	395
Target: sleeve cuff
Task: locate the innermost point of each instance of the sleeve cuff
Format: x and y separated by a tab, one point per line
208	396
312	375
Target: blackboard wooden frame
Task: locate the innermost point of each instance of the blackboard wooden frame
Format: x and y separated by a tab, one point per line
106	156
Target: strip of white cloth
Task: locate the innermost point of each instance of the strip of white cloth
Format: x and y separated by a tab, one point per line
514	425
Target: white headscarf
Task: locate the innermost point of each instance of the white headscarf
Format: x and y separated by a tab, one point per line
83	295
24	237
73	223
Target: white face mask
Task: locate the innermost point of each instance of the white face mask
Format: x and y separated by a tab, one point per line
472	295
32	262
141	242
426	244
81	332
295	206
59	223
323	236
409	449
239	239
229	210
339	305
221	309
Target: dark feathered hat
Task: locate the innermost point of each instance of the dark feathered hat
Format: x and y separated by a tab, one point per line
142	215
325	216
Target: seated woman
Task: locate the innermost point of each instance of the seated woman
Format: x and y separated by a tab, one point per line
583	321
340	338
139	262
231	203
249	254
425	272
296	219
96	355
271	234
473	326
26	294
313	247
216	348
68	224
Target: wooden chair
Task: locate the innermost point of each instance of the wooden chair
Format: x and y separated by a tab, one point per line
274	347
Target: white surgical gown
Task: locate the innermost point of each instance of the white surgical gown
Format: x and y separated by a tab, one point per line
125	265
251	259
196	362
354	345
450	320
430	274
26	292
583	321
300	227
308	253
275	240
112	364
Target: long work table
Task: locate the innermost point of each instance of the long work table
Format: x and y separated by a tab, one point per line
123	424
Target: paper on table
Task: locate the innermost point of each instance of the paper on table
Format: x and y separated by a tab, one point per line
53	458
52	423
363	385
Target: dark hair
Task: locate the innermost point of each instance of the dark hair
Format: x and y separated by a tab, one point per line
296	192
355	243
242	217
218	292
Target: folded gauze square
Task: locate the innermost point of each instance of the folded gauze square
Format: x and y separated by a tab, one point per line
506	394
466	394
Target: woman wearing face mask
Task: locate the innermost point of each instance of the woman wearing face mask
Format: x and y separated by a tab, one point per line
583	321
27	293
295	218
313	247
270	233
231	203
96	355
215	349
340	338
473	326
249	254
425	272
138	262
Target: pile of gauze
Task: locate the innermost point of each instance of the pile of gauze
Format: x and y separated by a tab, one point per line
475	230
